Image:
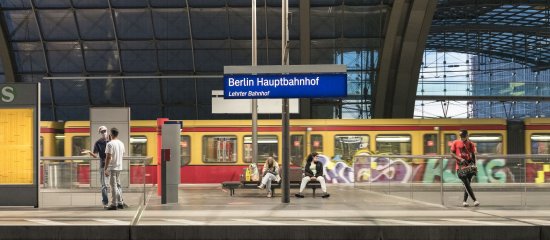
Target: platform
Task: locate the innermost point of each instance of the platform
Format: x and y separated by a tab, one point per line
208	212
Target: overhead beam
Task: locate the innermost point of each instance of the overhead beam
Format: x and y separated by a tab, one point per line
6	54
484	98
404	44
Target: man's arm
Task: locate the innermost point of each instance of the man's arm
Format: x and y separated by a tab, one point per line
107	161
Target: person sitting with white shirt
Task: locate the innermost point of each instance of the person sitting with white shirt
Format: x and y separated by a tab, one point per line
313	171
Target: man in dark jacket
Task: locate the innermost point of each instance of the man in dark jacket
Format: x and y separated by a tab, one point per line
99	150
313	171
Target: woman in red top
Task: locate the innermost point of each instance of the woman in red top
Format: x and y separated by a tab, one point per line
463	151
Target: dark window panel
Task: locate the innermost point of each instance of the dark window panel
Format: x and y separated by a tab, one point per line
15	4
129	3
106	91
70	92
57	25
209	23
65	57
142	91
167	3
29	57
95	24
101	57
66	113
145	112
181	112
53	4
46	113
179	91
134	54
133	24
21	25
91	3
171	23
207	4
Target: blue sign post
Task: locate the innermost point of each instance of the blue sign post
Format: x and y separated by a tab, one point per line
325	85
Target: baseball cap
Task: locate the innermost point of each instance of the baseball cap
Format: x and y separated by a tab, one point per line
101	129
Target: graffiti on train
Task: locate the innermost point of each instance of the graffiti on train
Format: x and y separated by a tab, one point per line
381	169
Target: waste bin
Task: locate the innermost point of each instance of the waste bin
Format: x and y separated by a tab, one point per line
60	174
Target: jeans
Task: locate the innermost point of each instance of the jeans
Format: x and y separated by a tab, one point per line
266	180
116	188
468	189
104	193
320	179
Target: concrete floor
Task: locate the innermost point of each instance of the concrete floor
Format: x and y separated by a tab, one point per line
347	206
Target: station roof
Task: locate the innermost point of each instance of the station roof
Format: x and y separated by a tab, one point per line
196	37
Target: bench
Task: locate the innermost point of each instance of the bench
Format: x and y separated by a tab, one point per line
295	181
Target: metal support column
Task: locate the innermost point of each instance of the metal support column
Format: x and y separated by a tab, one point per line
305	51
285	115
254	104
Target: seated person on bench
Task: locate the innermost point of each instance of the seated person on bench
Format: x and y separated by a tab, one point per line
313	171
269	173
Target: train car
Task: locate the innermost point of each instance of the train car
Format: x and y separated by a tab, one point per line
51	139
213	151
220	149
537	141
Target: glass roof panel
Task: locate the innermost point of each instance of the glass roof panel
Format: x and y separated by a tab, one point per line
133	24
57	25
95	24
171	23
21	25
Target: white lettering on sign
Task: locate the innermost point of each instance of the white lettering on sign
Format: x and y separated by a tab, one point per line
8	94
240	82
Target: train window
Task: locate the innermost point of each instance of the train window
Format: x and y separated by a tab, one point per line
316	143
540	144
41	146
430	144
487	143
138	146
345	146
59	145
219	149
296	149
449	139
185	146
394	144
79	144
267	147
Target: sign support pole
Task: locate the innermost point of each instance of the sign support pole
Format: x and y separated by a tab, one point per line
285	115
254	103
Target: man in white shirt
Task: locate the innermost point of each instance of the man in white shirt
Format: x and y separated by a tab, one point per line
113	167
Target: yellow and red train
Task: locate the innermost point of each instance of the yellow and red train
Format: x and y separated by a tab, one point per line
213	151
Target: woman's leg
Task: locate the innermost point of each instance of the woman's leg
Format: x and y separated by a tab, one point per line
270	177
305	180
321	180
468	188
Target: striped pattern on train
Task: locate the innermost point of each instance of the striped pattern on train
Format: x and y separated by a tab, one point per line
213	151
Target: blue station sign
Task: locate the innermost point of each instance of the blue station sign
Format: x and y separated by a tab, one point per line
310	85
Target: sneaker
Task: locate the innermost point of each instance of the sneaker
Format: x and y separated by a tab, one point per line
261	186
105	206
326	195
269	194
298	195
120	206
465	204
476	204
112	207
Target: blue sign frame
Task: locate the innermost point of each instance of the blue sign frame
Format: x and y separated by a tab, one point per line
250	86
